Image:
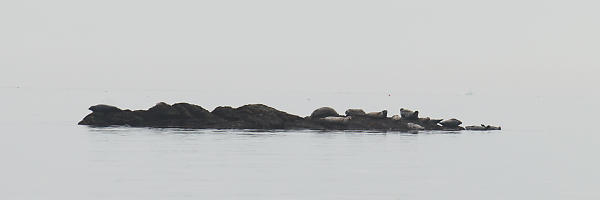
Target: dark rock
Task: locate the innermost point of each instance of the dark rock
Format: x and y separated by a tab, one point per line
324	112
226	112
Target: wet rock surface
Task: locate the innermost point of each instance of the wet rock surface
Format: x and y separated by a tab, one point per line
259	116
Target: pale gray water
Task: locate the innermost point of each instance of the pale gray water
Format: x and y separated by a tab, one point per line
46	156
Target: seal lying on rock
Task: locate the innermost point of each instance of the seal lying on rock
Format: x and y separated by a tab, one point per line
413	126
409	114
102	108
378	115
324	112
451	123
483	128
337	119
355	112
396	117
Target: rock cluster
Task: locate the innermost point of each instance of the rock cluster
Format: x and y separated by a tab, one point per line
259	116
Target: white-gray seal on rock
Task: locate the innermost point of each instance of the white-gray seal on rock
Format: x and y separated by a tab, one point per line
337	119
378	115
413	126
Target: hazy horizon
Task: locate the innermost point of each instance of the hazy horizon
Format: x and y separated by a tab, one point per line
506	48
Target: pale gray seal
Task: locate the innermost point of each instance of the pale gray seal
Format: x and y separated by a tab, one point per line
378	115
324	112
337	119
409	114
355	112
102	108
413	126
482	128
451	123
396	117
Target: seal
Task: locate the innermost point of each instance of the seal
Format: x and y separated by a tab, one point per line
355	112
378	115
413	126
451	123
396	117
102	108
476	128
324	112
337	119
482	128
409	114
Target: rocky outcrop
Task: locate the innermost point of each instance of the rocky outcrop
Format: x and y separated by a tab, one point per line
258	116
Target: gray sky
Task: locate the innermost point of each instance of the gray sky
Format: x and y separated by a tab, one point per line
524	46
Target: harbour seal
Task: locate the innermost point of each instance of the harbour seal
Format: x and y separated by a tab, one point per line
337	119
324	112
102	108
482	128
413	126
409	114
378	115
355	112
396	117
451	123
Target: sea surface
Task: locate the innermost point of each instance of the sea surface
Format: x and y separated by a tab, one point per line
548	149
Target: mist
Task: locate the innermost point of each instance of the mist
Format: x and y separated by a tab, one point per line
504	47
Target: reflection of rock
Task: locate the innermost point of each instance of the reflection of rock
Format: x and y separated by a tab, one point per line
259	116
324	112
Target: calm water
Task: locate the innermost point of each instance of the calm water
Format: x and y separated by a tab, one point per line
542	155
